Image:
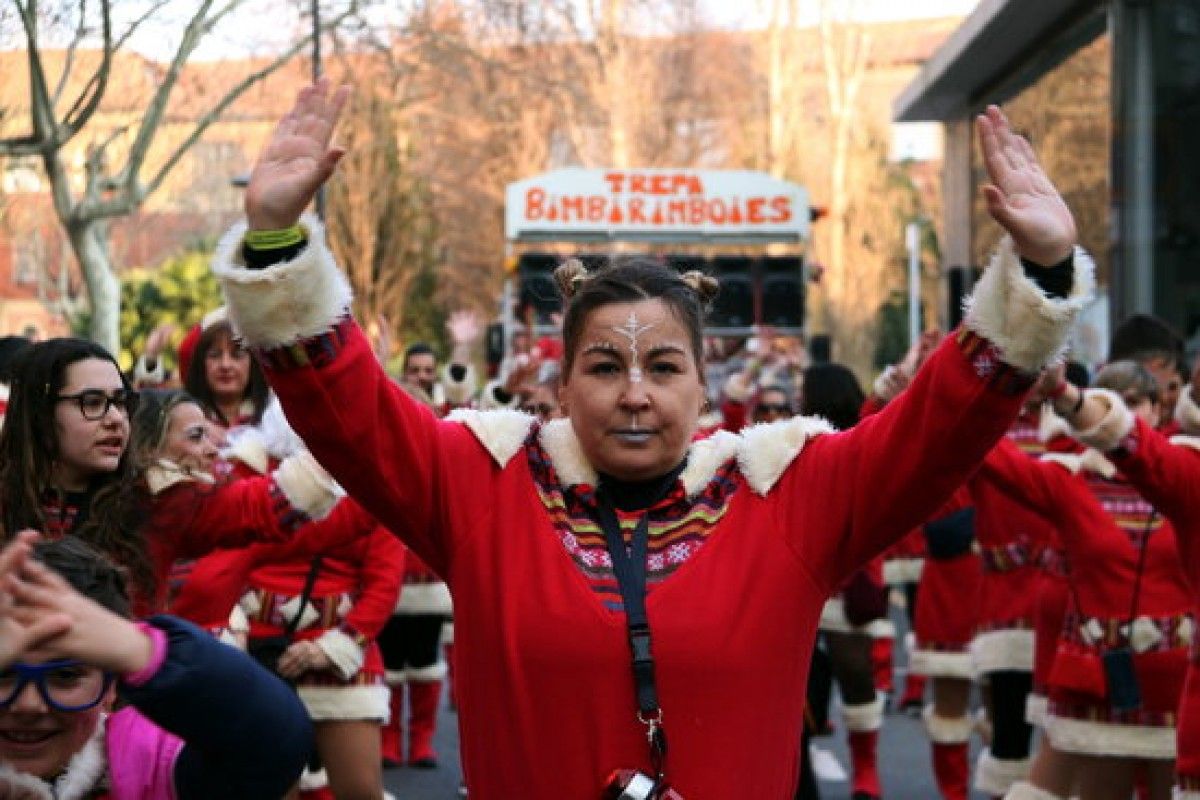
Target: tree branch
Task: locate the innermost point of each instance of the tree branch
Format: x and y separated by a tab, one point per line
69	60
82	110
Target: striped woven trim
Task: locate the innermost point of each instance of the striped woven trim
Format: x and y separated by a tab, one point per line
1007	557
1175	631
678	527
1088	712
327	608
318	351
990	367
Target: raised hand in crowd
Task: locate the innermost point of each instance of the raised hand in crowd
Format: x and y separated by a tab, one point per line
1020	197
297	159
60	623
22	629
157	341
465	327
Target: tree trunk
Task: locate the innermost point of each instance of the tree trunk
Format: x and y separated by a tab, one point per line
89	240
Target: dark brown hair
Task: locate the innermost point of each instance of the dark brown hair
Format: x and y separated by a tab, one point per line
196	380
116	504
687	296
831	391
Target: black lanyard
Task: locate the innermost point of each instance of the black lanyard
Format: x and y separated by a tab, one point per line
629	566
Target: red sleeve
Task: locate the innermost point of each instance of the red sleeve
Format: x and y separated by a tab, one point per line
386	449
849	495
733	415
189	520
382	575
872	405
1165	474
1037	485
346	524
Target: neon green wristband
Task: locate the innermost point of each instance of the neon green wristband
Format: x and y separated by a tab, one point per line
274	240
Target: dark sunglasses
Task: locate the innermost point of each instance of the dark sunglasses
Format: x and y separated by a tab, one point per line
772	408
94	403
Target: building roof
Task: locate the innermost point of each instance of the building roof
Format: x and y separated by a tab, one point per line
1002	48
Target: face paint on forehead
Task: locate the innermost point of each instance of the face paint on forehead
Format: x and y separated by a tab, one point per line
632	330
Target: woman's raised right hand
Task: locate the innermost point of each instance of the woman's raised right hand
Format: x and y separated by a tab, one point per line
296	160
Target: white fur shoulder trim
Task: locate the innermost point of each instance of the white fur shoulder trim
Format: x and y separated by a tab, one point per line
767	449
1114	426
1187	412
705	456
1013	313
502	432
286	302
1184	440
559	441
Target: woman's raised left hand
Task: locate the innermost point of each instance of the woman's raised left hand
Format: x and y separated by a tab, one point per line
1020	197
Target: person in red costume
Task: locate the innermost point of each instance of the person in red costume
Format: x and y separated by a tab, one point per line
1128	595
731	535
1165	470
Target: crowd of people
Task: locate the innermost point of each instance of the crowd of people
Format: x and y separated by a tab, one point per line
257	577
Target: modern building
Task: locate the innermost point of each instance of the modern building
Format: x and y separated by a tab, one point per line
1150	247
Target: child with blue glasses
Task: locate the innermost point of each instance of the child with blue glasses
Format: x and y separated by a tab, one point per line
198	719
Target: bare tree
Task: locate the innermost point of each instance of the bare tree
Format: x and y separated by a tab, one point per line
116	178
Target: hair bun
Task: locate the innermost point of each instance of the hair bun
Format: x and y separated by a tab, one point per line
704	285
569	275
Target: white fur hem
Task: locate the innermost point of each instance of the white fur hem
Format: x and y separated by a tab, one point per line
1187	412
1024	790
866	717
286	302
996	651
767	449
307	485
1013	313
899	571
1116	424
1180	794
1184	440
502	432
995	777
345	653
1037	709
833	619
947	730
425	598
938	664
345	702
1106	739
432	674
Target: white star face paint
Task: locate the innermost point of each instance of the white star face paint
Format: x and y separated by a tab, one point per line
632	330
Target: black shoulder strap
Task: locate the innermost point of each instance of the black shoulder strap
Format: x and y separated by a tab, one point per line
310	581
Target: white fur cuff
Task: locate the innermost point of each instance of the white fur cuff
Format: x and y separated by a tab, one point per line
994	776
432	674
947	730
307	485
1116	424
425	598
1024	790
1013	313
866	717
1187	412
345	653
1003	650
941	664
286	302
899	571
345	702
1110	739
